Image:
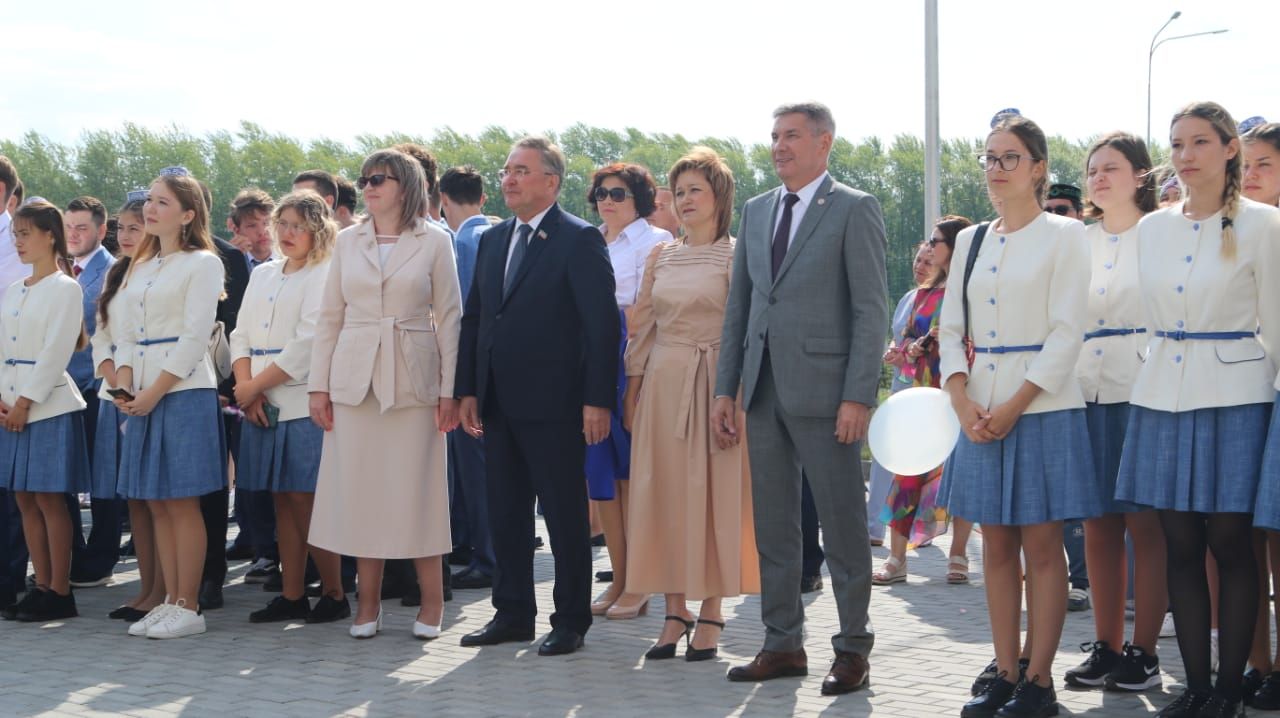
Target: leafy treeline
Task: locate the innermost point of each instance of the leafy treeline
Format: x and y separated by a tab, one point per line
108	163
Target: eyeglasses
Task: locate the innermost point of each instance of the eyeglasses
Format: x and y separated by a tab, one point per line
290	227
617	194
375	180
1008	161
1061	210
519	172
934	241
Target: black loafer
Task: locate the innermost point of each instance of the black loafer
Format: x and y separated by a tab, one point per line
560	642
809	584
329	609
127	613
471	578
493	633
282	609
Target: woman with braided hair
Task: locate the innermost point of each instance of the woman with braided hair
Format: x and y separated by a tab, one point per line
1201	400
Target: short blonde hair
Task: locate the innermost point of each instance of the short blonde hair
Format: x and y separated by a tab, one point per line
718	175
317	219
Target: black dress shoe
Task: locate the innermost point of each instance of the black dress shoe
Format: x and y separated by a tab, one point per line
1267	697
1187	705
1218	706
471	578
560	642
210	595
282	609
460	556
8	603
993	697
493	633
604	576
329	609
239	552
127	613
1031	700
809	584
1249	685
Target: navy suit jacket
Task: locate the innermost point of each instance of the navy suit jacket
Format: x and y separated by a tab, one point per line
91	277
551	346
236	271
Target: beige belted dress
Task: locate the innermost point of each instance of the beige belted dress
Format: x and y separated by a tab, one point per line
385	347
689	527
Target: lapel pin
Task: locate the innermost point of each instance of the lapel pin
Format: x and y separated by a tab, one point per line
542	234
822	200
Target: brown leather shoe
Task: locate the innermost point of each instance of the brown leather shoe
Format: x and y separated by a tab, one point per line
768	665
849	672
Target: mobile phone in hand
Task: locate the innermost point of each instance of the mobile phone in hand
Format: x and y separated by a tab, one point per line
122	394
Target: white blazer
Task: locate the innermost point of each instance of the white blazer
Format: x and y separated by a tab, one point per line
171	304
276	324
1028	288
1108	364
1187	285
41	325
104	340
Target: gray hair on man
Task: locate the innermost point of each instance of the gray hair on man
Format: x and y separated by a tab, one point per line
552	155
818	114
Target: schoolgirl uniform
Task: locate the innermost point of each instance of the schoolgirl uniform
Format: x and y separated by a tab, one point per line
610	459
1027	310
276	325
1115	342
178	450
1202	398
107	437
41	325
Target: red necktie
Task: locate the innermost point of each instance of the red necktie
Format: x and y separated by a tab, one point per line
76	269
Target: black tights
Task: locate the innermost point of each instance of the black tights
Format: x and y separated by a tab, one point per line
1227	536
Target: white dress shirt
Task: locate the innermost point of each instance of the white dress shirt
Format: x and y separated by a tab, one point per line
1109	364
41	325
1028	288
1187	285
173	297
628	253
276	325
11	268
805	194
515	234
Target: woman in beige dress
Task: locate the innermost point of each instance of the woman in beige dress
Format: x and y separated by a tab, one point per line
381	387
689	521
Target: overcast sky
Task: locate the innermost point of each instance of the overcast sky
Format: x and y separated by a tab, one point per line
337	70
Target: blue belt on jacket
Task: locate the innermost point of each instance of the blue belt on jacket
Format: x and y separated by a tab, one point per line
264	352
15	362
1009	349
1099	333
161	340
1180	336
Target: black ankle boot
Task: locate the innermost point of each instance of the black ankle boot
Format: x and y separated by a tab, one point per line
1031	700
995	694
1219	706
1186	705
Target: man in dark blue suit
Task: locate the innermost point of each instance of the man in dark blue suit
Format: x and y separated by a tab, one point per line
92	562
537	373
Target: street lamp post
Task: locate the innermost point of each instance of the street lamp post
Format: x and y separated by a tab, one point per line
1152	51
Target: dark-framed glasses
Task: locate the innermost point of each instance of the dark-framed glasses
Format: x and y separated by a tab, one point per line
519	173
617	194
1007	162
375	180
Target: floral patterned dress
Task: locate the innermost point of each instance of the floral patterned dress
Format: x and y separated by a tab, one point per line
912	507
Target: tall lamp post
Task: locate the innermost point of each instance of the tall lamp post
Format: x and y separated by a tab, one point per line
1151	53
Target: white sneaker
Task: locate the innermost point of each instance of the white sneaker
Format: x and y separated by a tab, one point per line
425	631
139	628
178	622
1166	629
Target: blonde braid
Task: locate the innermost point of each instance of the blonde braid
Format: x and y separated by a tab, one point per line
1230	206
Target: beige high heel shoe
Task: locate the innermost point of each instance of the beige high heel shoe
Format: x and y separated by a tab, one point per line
627	606
604	603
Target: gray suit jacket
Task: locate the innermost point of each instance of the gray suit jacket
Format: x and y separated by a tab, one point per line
826	317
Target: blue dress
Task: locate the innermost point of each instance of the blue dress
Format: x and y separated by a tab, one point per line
610	460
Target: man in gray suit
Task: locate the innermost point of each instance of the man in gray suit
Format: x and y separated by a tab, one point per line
803	335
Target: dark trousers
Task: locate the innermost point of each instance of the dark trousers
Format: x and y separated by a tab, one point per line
468	503
97	556
213	508
525	460
256	517
813	555
13	548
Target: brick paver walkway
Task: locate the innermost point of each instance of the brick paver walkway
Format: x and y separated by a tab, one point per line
931	641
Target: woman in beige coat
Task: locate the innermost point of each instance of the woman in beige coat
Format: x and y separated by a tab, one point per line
381	387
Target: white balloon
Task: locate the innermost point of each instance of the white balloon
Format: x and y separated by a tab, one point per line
914	431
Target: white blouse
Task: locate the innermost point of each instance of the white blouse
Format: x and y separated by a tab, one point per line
41	326
276	324
1188	286
628	254
1113	346
1027	289
171	304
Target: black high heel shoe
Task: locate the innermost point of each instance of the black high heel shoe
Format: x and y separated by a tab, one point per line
692	654
668	650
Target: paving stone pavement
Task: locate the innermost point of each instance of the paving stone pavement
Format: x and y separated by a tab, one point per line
931	640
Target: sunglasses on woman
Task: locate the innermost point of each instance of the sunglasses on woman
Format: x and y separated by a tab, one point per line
375	180
617	194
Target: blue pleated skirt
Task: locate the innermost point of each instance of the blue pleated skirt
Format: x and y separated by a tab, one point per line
1204	460
106	451
1042	471
47	456
1266	511
610	460
283	458
1107	424
177	451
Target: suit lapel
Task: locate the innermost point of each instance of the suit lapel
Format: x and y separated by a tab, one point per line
768	218
93	271
537	243
367	243
812	216
409	244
